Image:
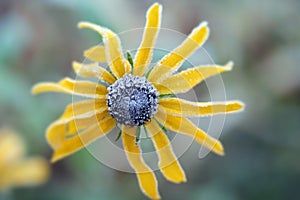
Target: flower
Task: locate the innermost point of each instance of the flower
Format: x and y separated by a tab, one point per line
134	99
15	169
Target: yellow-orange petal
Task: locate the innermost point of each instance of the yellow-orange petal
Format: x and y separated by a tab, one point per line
11	147
113	50
144	54
187	79
96	53
184	126
84	108
181	107
168	163
172	61
60	129
146	177
93	70
26	172
69	86
73	144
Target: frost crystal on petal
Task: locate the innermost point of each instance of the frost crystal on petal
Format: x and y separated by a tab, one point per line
132	100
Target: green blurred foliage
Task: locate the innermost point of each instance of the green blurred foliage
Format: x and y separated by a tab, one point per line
39	40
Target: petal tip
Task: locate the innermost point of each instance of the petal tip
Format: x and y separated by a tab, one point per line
55	157
82	24
239	106
36	89
229	65
218	148
203	27
53	160
155	8
75	66
155	5
182	180
203	23
33	90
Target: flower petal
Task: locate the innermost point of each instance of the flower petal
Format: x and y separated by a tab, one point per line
73	144
11	147
84	108
69	86
63	128
96	53
27	172
93	71
187	79
172	61
181	107
146	177
168	163
113	50
184	126
145	51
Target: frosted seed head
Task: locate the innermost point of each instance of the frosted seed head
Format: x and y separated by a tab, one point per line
132	100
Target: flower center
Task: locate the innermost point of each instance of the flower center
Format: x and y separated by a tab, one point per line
132	100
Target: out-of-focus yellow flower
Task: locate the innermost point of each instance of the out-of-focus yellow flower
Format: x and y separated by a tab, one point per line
137	95
15	169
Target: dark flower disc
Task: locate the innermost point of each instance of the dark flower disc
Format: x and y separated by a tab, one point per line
132	100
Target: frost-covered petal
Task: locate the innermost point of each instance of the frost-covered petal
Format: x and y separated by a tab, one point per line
113	50
187	79
172	61
69	86
84	108
62	128
146	177
144	54
96	53
93	71
181	107
168	163
184	126
75	143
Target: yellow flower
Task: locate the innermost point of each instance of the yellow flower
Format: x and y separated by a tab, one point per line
134	99
15	169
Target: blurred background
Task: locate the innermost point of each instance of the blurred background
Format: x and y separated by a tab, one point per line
39	40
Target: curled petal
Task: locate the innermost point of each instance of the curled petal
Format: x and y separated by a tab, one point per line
84	108
145	51
93	71
146	177
183	107
69	86
172	61
62	128
184	126
168	163
187	79
73	144
113	50
96	53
